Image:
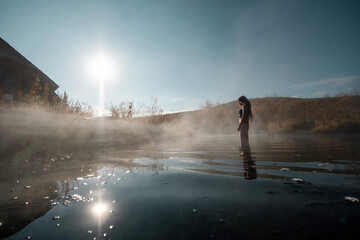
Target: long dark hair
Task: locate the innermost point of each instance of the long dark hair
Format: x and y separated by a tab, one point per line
247	105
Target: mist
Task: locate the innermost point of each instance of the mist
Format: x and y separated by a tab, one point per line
27	134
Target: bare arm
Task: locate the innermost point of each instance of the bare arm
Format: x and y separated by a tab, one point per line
240	119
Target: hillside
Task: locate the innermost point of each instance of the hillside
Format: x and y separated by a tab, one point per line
272	114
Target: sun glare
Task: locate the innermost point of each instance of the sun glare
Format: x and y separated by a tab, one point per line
99	209
101	67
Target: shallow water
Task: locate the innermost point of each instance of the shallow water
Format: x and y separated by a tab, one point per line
281	187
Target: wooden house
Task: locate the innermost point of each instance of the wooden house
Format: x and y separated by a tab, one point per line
22	81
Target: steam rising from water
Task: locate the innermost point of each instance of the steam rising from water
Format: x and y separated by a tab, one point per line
26	133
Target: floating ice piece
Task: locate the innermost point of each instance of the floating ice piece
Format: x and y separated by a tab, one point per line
351	199
194	210
27	187
79	178
14	198
221	220
58	224
284	169
298	180
128	171
111	226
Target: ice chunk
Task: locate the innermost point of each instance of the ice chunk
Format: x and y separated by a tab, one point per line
298	180
351	199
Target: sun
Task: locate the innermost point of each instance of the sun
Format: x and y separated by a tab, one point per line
101	66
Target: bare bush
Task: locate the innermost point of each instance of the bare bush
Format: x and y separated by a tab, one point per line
207	105
153	108
123	110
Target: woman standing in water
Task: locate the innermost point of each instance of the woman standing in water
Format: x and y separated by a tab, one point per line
245	115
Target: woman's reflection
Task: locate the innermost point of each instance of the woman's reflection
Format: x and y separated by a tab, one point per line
248	162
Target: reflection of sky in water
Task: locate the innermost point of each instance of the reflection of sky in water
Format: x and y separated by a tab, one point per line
189	196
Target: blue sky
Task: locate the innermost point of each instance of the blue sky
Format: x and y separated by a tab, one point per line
188	51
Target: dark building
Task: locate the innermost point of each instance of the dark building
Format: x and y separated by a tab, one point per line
20	80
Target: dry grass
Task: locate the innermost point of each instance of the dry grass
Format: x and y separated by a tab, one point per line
273	114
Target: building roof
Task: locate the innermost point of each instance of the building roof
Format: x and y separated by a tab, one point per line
9	54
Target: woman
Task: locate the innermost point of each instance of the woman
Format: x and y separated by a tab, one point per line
245	115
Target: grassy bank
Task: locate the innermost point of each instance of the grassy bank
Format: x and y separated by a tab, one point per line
273	114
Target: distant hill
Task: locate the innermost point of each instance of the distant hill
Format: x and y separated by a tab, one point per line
272	114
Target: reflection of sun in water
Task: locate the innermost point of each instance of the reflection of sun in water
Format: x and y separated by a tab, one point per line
99	209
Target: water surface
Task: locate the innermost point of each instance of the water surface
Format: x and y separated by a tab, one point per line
280	187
